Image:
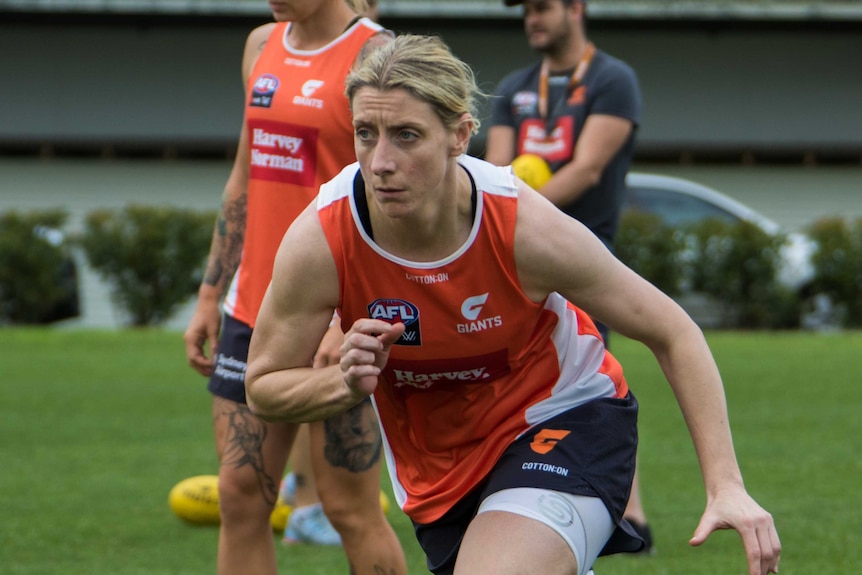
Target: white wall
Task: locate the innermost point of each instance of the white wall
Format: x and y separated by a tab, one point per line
794	86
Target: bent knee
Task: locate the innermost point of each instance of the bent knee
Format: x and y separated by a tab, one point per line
243	498
350	516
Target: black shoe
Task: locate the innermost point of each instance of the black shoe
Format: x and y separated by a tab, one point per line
644	531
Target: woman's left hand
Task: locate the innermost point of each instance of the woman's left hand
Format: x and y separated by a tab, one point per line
737	510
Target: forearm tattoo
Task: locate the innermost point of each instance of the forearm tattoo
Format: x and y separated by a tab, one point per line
230	234
243	445
353	438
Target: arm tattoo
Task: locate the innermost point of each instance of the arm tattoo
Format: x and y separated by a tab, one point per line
230	234
353	438
243	445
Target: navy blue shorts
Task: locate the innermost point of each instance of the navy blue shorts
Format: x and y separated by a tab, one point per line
595	458
228	378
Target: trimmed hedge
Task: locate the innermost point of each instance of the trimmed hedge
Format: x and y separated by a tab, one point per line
152	257
838	266
38	283
653	249
735	264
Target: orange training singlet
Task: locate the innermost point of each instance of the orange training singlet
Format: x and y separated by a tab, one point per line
300	134
479	363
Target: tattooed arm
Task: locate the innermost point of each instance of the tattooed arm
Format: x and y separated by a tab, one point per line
228	237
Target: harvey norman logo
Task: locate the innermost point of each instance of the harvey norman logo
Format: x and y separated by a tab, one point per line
413	375
282	152
426	380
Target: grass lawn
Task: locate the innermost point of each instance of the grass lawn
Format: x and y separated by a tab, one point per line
97	426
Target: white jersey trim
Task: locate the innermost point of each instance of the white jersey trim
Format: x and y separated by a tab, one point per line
307	53
490	180
580	358
391	465
229	303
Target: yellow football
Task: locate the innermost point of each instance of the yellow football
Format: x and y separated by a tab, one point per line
195	500
384	502
279	516
532	169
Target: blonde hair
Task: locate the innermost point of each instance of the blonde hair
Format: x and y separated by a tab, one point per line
425	67
358	6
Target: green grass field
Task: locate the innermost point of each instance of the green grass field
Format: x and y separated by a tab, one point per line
97	426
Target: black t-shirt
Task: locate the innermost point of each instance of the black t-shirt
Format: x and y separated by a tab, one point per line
609	87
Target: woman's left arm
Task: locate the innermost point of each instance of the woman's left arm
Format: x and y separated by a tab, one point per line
556	253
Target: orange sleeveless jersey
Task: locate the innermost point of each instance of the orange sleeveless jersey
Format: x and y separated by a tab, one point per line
479	363
300	135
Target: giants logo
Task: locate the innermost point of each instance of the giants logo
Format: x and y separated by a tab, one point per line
309	88
398	310
547	439
470	309
472	306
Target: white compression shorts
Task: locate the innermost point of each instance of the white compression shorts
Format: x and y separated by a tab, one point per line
583	522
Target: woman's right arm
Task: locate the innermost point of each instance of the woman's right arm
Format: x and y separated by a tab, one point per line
227	239
295	314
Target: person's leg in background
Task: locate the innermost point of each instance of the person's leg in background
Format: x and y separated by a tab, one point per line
252	454
636	515
347	454
307	522
635	512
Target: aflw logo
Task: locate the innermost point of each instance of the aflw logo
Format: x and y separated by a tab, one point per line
398	310
263	91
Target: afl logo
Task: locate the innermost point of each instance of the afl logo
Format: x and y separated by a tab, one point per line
398	310
263	91
525	103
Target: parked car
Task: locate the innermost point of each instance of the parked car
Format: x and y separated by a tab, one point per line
678	202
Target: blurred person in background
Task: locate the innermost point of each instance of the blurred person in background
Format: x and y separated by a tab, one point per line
578	109
296	134
372	10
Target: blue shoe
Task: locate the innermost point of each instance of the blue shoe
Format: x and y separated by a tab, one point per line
287	491
310	525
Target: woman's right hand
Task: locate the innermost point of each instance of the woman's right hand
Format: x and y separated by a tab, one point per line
365	352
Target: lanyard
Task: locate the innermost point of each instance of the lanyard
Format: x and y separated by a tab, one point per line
576	77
